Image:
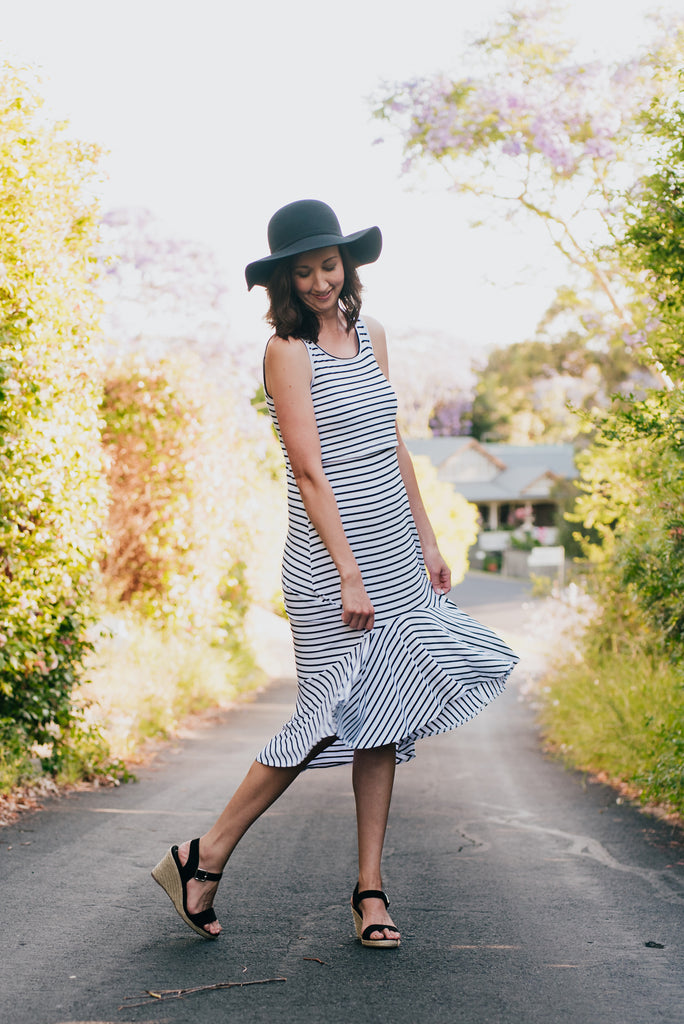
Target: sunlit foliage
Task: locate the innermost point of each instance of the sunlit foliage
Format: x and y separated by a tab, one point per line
194	512
51	498
532	391
453	518
170	441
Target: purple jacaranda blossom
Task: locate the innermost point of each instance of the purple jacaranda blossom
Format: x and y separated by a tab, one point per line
513	146
536	130
165	295
634	339
604	149
529	98
626	74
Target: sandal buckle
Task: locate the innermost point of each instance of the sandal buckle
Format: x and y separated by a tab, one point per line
204	876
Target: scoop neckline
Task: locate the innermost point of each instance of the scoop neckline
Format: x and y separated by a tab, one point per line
344	359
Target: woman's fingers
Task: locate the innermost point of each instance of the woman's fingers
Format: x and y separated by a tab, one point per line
357	609
358	619
440	575
442	583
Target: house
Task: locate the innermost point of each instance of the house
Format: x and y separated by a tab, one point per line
510	484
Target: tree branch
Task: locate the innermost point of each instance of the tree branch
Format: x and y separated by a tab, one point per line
576	254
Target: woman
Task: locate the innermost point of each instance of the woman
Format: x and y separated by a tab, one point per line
383	657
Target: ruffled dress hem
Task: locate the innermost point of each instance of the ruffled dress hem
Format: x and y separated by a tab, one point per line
421	674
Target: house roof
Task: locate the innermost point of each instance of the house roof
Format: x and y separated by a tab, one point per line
484	472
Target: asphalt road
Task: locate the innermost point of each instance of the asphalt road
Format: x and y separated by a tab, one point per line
525	895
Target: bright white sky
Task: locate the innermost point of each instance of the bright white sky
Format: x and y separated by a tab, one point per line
217	112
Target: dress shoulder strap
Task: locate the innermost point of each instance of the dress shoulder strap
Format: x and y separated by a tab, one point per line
362	332
310	347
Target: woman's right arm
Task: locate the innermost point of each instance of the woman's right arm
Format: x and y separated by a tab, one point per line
288	381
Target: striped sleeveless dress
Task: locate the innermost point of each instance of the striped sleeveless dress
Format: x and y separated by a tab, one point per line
426	666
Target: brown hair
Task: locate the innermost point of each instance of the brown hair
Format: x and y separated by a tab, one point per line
287	314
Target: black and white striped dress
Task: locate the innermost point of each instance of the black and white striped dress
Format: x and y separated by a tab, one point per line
426	666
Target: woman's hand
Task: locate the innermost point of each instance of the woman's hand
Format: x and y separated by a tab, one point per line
439	572
357	610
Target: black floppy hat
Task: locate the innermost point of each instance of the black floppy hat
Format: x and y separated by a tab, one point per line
305	225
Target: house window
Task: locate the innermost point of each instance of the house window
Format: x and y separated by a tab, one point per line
544	514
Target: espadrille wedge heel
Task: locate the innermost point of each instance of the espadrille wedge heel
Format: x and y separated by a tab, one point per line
365	933
174	877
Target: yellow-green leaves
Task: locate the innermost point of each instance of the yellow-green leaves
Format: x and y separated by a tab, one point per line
51	496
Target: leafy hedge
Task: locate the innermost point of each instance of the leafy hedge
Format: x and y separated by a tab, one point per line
633	477
175	465
51	494
619	707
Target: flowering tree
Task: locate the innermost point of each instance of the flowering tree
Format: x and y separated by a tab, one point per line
534	129
431	391
166	296
531	128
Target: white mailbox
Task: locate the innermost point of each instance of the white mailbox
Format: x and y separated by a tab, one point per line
553	555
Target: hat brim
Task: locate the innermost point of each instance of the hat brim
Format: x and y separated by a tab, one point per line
364	247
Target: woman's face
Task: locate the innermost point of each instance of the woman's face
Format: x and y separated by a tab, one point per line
318	278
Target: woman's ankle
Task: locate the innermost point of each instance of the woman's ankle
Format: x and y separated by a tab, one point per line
212	857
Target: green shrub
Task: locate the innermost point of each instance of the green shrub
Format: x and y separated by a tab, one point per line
650	556
16	764
85	755
51	496
633	502
615	703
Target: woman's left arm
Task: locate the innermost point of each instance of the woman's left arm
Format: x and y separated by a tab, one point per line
438	570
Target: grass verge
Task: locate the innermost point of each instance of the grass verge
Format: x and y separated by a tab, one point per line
619	713
144	681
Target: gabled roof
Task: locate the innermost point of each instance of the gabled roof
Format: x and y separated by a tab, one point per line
558	458
508	472
542	484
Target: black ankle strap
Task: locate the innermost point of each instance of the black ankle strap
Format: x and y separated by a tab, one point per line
207	876
194	870
372	894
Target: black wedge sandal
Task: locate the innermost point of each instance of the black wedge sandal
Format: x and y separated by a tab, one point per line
174	877
365	933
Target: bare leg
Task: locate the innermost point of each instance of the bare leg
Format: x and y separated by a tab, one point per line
261	787
373	778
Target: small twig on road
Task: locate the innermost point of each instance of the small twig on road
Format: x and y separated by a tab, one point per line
178	993
316	960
